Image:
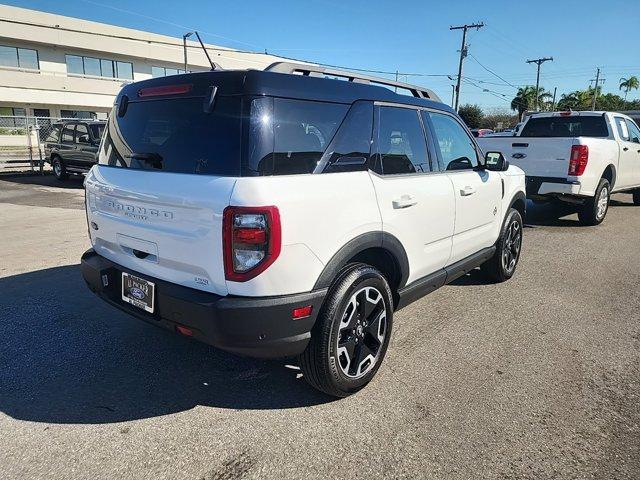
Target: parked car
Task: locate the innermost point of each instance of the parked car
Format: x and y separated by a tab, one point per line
277	214
576	157
481	132
72	146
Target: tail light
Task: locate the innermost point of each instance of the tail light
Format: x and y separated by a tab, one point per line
251	239
579	160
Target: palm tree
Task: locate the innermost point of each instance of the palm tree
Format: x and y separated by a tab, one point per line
525	99
628	84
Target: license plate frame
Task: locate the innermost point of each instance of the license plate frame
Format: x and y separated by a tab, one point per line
138	292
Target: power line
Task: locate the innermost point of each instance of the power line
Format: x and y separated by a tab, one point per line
492	72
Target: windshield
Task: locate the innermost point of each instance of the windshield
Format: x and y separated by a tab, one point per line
176	135
571	126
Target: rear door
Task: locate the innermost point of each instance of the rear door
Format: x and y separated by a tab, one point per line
629	163
67	144
478	193
634	133
166	171
416	200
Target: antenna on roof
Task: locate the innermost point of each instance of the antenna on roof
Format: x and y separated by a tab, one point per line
213	65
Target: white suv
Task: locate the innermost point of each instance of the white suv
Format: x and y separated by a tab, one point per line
280	213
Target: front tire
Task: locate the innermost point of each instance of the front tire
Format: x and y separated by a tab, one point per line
351	335
59	171
502	265
595	208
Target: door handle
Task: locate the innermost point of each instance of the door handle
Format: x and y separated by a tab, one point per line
405	201
468	190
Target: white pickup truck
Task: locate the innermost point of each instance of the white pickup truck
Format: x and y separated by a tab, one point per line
576	157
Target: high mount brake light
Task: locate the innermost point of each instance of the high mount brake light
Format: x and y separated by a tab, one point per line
252	238
579	159
165	90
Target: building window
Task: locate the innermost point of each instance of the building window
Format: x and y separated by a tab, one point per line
99	67
164	71
78	114
19	58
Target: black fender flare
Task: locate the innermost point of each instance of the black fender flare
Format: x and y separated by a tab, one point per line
519	196
359	244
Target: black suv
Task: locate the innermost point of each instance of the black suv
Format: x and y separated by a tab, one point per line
72	146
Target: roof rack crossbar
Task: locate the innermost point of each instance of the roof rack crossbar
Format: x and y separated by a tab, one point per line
320	71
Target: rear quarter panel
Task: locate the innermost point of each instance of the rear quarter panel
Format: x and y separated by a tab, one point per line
318	214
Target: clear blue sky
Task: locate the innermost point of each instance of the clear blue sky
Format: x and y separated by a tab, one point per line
410	36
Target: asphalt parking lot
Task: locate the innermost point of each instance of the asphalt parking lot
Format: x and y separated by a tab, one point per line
535	378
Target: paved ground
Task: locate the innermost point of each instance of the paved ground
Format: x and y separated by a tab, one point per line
537	378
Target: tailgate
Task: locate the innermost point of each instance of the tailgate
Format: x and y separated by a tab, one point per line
538	157
165	225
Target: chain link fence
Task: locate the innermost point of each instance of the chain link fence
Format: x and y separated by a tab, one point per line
22	142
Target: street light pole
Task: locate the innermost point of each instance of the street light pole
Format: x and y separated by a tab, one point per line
184	46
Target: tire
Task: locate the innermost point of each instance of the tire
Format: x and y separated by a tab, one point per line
502	265
636	197
595	208
59	170
352	332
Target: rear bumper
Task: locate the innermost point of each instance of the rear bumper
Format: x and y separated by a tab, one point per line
257	327
550	186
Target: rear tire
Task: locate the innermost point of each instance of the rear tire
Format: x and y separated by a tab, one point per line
636	197
595	208
351	335
502	265
59	170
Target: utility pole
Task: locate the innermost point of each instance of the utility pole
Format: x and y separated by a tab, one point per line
539	61
463	54
553	104
597	81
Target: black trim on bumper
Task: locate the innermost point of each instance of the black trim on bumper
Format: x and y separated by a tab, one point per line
256	327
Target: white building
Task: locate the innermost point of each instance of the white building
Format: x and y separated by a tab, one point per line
56	66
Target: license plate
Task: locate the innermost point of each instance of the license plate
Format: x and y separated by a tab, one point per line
138	292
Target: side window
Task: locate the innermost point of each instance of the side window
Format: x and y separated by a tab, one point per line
350	148
80	131
54	134
623	130
634	132
457	150
67	134
401	145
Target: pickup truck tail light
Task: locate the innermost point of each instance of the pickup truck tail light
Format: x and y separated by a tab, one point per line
251	241
579	160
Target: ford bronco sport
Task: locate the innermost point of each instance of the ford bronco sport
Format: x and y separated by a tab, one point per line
282	213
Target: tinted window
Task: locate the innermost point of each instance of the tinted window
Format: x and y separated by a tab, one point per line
176	135
350	148
97	129
67	134
54	134
634	132
401	146
81	130
288	137
571	126
456	147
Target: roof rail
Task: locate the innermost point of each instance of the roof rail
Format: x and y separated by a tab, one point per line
320	71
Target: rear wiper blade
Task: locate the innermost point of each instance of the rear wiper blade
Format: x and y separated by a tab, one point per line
153	159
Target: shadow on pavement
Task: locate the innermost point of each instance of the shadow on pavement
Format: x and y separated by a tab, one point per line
66	357
551	214
74	182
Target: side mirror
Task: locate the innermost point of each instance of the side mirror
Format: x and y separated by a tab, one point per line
495	162
84	139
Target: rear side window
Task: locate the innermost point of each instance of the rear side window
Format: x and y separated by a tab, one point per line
80	131
457	150
67	134
634	132
288	137
570	126
54	134
176	135
401	144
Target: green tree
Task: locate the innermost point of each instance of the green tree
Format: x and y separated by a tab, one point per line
628	84
471	114
525	99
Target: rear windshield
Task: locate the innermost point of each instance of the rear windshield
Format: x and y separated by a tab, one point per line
241	136
572	126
